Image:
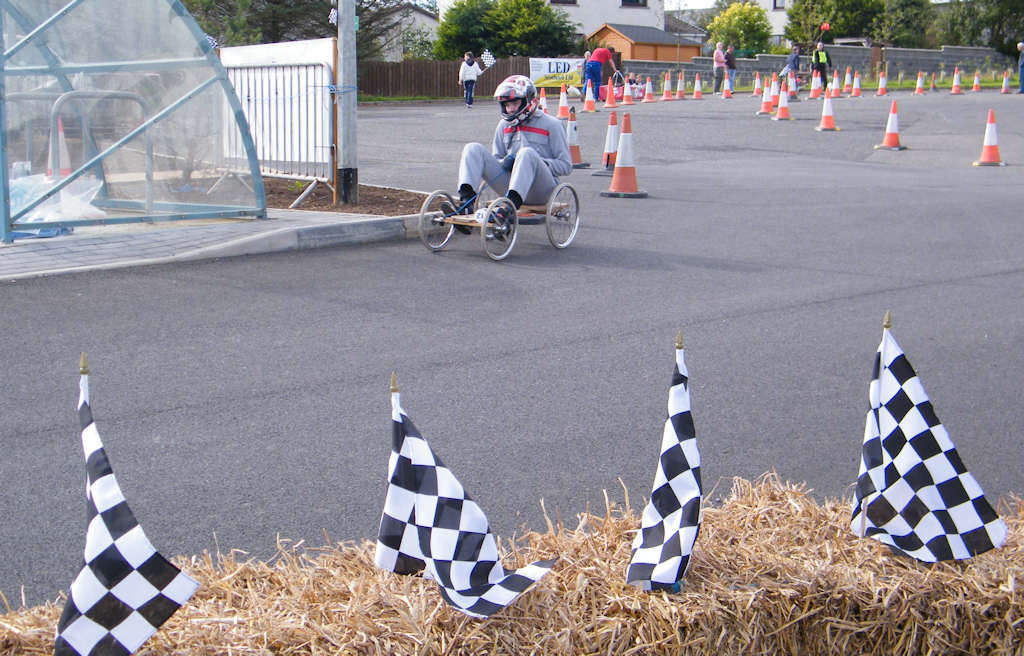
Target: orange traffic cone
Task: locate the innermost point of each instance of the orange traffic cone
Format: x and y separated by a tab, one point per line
933	86
956	90
543	102
757	85
775	91
588	98
835	85
990	147
892	132
1006	82
847	82
815	85
791	82
624	177
856	85
977	81
681	86
882	84
63	163
611	145
919	89
627	95
666	93
573	135
697	95
828	121
609	98
783	113
563	104
726	90
766	103
649	92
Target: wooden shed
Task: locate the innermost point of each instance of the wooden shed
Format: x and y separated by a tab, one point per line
648	43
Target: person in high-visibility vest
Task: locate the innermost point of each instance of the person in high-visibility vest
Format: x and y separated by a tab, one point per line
821	61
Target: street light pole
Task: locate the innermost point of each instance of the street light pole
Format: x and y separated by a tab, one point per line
346	177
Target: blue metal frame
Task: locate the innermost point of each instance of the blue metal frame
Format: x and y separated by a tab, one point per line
148	210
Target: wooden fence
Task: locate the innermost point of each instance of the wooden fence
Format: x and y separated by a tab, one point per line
436	79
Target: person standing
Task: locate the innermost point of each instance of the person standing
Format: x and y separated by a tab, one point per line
730	67
718	67
469	71
595	63
1020	66
792	63
820	61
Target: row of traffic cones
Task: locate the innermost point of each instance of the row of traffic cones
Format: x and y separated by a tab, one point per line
618	159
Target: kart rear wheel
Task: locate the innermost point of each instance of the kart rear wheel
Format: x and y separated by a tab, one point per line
563	215
434	232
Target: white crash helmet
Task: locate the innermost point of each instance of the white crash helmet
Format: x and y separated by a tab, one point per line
517	87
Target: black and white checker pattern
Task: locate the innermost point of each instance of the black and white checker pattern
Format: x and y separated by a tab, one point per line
487	58
430	522
125	589
918	495
671	519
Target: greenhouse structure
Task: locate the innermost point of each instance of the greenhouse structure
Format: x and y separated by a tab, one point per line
117	111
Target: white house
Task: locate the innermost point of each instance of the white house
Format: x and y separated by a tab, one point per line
412	17
589	15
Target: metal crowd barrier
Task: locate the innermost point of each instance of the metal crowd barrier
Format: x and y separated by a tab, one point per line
290	111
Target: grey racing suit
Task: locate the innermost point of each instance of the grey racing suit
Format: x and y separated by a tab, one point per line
542	154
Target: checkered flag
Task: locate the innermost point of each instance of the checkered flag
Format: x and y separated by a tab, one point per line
671	520
430	522
913	492
487	58
125	589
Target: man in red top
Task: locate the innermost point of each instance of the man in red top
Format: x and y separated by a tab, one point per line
593	71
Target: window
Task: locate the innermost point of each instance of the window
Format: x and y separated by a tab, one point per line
563	2
634	3
778	4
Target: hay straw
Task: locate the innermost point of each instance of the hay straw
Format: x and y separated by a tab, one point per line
774	572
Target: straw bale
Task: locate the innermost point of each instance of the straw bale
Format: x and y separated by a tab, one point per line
774	572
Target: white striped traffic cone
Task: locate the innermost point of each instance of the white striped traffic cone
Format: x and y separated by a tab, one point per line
573	136
783	112
563	104
624	177
883	84
63	164
697	93
990	147
828	121
649	92
611	146
892	132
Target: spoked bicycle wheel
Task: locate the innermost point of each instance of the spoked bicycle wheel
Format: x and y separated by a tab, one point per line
499	228
434	232
563	215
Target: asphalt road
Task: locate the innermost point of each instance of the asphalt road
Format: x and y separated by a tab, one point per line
245	400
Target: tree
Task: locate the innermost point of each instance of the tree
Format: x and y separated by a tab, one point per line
240	22
902	23
1005	20
745	25
417	43
963	24
531	28
505	27
845	18
463	28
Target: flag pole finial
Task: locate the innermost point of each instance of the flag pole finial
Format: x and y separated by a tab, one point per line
679	341
394	383
83	365
887	320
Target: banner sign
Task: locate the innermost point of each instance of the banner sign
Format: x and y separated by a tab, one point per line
556	72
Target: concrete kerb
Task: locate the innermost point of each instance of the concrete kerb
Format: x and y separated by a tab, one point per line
325	232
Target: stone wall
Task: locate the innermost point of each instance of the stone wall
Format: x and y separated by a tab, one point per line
906	60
